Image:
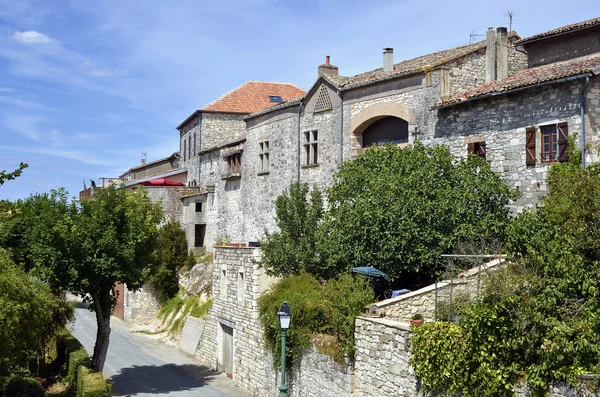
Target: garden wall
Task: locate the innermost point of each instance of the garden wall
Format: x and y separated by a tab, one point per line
140	307
422	301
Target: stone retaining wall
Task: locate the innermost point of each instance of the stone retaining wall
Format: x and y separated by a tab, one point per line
140	307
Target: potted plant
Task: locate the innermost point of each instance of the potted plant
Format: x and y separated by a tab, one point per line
223	241
416	320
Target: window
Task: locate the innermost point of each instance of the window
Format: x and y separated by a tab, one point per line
477	148
240	287
199	207
223	286
199	234
311	147
234	166
190	147
275	99
263	157
553	140
184	149
194	144
549	143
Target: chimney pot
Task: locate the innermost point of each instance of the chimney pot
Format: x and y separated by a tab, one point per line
388	59
327	67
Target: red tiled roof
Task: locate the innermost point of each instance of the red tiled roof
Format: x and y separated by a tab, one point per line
530	77
562	29
253	96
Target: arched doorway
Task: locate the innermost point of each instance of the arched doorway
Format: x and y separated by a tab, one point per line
385	130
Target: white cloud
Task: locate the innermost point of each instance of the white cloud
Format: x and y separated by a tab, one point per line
31	37
94	71
6	89
23	103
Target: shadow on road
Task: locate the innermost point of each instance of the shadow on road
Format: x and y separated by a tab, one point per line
159	380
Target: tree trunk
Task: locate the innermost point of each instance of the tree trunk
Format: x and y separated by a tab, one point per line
102	308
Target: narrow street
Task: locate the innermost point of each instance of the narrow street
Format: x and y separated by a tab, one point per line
139	366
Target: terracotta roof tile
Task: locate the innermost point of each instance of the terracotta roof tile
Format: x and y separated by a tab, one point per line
529	77
562	29
253	96
283	105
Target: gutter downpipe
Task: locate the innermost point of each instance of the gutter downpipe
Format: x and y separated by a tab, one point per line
298	161
340	93
582	107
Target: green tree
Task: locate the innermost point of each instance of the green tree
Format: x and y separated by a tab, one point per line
400	209
30	315
97	243
294	247
172	255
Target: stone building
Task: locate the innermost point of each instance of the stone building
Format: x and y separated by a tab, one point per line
508	99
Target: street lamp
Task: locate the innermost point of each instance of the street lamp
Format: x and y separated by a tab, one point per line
285	315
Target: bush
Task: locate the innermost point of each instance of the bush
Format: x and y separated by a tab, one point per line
317	308
91	383
23	387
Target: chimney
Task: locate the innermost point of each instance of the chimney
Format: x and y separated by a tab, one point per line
490	55
327	68
143	161
388	59
501	53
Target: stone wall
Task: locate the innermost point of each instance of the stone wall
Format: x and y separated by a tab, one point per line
422	301
140	307
586	387
169	198
221	128
315	374
382	356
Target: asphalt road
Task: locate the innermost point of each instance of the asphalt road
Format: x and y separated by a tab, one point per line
140	366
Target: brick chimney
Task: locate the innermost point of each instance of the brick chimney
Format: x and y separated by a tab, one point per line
490	55
501	53
388	59
328	68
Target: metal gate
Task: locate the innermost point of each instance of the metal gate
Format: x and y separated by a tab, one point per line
227	359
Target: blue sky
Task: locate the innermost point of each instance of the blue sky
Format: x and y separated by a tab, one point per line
86	86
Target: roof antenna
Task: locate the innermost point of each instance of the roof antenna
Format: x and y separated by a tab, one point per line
473	35
510	17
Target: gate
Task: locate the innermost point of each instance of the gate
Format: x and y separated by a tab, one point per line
227	358
119	311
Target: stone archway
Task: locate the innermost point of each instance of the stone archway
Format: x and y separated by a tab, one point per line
373	113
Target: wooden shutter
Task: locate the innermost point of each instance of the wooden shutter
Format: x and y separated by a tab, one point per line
481	151
471	148
530	145
563	135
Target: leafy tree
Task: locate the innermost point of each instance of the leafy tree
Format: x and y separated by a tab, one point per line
8	176
107	239
400	209
293	247
172	255
30	315
537	319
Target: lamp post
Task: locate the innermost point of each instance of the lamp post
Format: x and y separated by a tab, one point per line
285	315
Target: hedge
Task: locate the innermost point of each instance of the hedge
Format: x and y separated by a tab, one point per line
91	383
23	387
77	363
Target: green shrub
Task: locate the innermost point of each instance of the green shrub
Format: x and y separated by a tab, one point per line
91	383
23	387
317	308
201	309
460	301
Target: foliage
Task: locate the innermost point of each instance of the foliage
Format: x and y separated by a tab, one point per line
537	319
294	247
401	208
104	240
174	312
8	176
317	308
439	353
23	387
447	312
30	316
172	255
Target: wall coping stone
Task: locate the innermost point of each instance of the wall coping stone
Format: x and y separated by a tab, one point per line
388	323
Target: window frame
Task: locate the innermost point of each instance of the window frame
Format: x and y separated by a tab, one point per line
311	148
263	158
201	206
554	138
